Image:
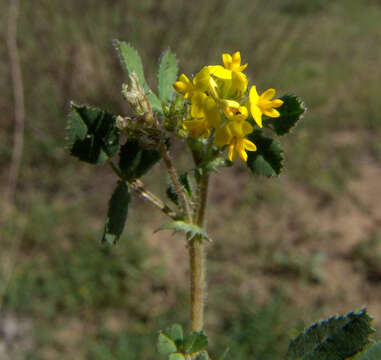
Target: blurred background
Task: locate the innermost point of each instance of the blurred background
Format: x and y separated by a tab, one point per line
287	251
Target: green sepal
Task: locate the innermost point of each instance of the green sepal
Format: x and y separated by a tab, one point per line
291	112
267	160
190	230
167	75
92	134
132	62
372	352
135	161
176	356
117	213
334	339
195	342
165	345
175	333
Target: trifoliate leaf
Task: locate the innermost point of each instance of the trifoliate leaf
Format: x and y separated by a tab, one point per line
175	332
190	230
135	161
194	342
176	356
268	159
334	339
117	213
93	136
372	352
291	112
132	62
167	75
165	345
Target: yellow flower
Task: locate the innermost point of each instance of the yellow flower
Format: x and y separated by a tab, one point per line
205	116
188	88
233	134
232	64
233	110
262	104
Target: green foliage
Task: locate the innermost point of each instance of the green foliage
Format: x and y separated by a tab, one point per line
202	356
166	345
175	332
167	75
195	342
268	159
93	136
291	112
117	213
190	230
132	62
135	161
336	338
372	352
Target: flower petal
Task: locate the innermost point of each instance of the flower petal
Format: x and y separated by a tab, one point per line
277	103
253	95
271	113
231	153
268	94
257	114
249	146
220	72
227	60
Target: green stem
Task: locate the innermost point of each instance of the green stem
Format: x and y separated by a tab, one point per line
139	187
176	183
197	260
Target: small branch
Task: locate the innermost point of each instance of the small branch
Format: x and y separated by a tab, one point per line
138	186
19	106
176	182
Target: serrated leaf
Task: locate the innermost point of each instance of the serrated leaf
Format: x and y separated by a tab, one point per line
334	339
176	356
194	342
175	332
167	75
165	345
190	230
93	136
291	112
117	213
372	352
268	159
135	161
132	62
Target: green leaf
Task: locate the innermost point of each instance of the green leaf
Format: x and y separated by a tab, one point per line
176	356
291	112
372	352
175	332
190	230
194	342
117	213
165	345
167	75
92	134
135	161
132	62
268	159
334	339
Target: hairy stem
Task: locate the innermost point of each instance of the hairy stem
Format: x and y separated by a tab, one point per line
176	183
197	260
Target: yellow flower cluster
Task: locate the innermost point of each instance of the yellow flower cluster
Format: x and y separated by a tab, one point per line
219	102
